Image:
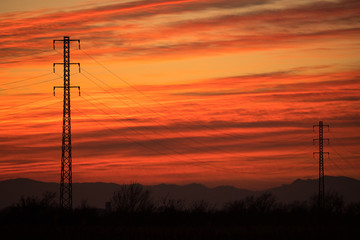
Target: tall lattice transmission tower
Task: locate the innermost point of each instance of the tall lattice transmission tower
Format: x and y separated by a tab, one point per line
66	157
321	197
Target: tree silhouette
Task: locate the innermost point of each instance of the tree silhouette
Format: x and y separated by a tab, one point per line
132	198
47	201
262	204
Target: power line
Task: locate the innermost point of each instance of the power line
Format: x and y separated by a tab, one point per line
196	163
31	84
135	131
153	100
337	153
337	166
164	126
25	104
29	103
26	58
141	105
158	143
159	133
112	130
142	93
160	124
22	112
26	79
343	144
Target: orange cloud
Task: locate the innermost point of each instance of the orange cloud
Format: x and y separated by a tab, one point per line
216	130
220	33
274	122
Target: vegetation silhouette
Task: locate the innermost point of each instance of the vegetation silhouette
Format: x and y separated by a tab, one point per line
132	198
136	215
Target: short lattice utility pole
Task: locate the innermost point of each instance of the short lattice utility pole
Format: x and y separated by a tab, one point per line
321	152
66	158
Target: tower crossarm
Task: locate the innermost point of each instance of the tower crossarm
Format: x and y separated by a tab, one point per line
66	149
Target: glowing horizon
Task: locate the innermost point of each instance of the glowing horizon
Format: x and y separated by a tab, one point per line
216	92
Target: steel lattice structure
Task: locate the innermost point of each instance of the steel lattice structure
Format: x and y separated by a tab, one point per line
66	156
321	152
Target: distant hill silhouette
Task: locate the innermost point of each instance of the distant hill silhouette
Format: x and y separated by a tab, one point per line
96	194
301	190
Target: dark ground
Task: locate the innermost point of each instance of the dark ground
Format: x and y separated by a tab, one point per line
135	216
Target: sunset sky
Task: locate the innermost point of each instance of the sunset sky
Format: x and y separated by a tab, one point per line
221	92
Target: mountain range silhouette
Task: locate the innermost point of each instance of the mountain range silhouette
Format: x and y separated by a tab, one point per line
98	193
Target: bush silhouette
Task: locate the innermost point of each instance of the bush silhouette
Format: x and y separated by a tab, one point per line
262	204
47	201
132	198
169	205
333	203
137	217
